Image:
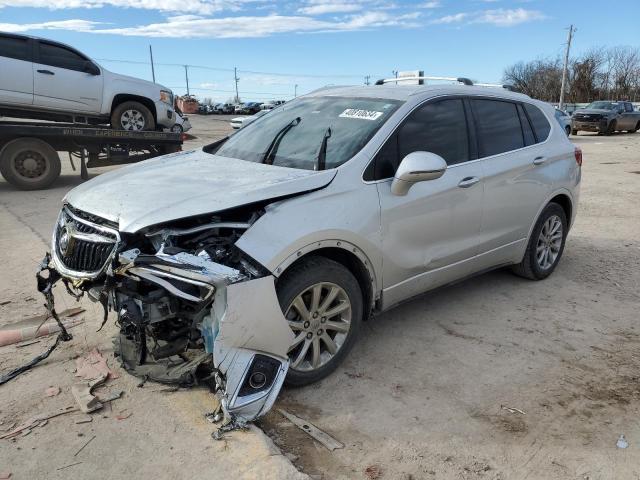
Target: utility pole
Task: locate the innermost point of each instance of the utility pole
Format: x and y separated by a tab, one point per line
566	67
236	79
295	90
153	71
366	79
186	76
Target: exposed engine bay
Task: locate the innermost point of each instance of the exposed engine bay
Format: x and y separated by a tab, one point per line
181	294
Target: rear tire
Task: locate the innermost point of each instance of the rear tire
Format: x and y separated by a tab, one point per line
132	116
29	163
548	235
636	128
331	323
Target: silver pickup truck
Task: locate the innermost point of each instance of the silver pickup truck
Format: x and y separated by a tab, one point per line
605	116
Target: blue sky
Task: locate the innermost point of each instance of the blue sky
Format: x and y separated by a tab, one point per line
318	42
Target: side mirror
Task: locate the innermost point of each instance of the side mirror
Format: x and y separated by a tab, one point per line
417	167
91	68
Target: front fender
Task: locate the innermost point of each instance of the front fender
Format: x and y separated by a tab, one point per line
323	219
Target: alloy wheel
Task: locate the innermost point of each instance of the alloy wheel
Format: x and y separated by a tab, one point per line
132	120
549	242
320	318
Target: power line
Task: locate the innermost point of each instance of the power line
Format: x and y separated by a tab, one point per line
235	70
229	91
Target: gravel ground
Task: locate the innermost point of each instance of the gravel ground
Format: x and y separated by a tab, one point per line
425	392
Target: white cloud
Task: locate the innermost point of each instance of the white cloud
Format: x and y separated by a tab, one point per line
432	4
508	17
230	27
75	25
500	17
456	18
201	7
321	7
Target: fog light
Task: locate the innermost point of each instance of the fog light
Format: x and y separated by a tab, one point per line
257	380
261	374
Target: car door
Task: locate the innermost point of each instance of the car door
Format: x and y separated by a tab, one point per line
436	224
518	173
61	81
628	119
16	70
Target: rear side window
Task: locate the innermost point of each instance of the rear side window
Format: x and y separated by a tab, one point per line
14	47
539	121
628	107
529	139
498	126
62	57
437	127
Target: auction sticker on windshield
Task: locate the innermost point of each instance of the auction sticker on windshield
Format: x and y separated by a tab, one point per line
361	114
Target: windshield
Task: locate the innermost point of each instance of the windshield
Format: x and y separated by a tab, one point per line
302	126
603	105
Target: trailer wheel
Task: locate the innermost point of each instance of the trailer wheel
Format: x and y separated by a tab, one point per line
132	116
29	163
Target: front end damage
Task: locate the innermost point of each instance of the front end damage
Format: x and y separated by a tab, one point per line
191	307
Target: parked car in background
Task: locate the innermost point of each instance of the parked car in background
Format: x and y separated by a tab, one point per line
606	117
248	108
203	109
564	119
240	122
225	108
242	258
47	80
182	124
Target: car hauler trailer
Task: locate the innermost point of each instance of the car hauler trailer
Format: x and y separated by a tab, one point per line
29	151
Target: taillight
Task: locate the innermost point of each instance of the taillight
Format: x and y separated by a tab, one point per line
578	154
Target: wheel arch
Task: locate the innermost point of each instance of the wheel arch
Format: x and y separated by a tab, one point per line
564	199
346	254
128	97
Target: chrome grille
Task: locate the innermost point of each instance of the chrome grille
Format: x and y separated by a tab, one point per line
81	247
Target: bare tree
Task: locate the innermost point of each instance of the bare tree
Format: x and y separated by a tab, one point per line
598	74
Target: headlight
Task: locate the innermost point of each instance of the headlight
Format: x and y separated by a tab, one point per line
166	96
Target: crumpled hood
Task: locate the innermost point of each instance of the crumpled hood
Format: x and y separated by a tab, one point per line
186	184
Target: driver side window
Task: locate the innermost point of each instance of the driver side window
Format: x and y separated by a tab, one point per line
439	127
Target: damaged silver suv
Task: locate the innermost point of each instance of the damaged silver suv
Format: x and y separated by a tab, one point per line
255	260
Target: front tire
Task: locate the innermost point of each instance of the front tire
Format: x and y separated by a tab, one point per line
611	129
546	244
323	304
132	116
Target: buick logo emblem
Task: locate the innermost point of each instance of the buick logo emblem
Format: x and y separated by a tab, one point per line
66	241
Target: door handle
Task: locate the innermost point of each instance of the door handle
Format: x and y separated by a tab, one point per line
46	72
468	182
539	160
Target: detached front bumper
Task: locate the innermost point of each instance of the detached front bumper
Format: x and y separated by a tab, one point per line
243	333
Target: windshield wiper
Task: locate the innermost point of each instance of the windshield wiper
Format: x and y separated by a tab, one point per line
270	153
321	158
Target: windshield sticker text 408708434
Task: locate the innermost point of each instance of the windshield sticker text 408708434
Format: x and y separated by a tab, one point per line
361	114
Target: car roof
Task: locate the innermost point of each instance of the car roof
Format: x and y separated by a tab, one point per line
405	92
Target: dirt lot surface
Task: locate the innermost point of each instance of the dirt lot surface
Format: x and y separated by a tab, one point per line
493	378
